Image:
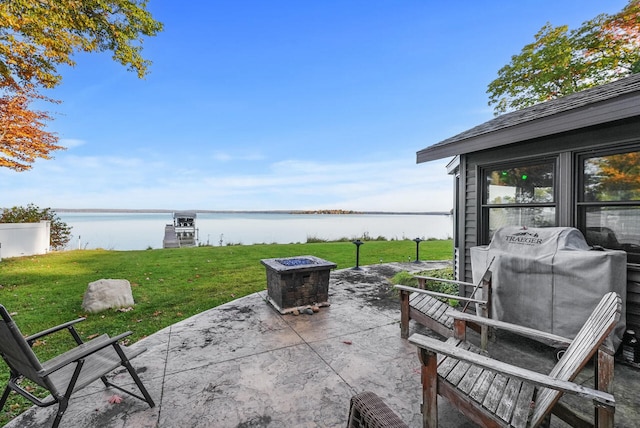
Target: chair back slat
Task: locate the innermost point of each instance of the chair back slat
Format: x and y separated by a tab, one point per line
15	350
593	333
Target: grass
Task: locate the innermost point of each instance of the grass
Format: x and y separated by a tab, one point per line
168	285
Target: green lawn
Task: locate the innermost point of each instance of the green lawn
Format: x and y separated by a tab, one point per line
168	285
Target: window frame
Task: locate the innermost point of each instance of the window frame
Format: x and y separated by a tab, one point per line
581	205
484	189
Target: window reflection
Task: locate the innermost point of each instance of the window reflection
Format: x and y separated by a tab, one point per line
612	178
616	228
518	195
521	216
610	206
520	185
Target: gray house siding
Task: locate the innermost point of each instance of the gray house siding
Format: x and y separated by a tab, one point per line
470	217
563	148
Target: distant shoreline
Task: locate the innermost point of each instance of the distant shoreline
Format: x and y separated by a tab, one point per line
162	211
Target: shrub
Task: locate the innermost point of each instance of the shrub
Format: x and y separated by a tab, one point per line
441	287
406	278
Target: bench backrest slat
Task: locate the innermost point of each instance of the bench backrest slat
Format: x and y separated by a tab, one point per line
592	334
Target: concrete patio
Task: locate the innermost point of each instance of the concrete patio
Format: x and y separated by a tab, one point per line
244	364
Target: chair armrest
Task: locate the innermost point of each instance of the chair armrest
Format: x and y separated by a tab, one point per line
436	294
80	352
34	337
513	328
443	348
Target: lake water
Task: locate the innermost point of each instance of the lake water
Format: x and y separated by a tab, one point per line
139	231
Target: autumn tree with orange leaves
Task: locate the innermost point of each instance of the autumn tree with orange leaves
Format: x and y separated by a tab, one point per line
562	61
22	134
36	37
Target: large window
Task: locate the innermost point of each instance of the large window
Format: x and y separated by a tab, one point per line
519	195
609	201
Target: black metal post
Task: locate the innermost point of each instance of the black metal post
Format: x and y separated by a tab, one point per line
417	241
357	243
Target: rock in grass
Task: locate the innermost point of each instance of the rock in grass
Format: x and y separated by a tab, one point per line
106	294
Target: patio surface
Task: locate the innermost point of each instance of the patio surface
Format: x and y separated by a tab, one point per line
243	364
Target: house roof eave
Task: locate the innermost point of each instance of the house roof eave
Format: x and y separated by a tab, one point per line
607	103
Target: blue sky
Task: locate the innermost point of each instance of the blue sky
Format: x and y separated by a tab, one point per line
278	105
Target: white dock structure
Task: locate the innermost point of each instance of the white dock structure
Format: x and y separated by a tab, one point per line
183	231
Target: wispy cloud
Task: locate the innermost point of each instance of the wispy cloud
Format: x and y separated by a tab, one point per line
226	156
117	182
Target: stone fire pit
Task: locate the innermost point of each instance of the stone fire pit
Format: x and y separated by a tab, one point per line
295	283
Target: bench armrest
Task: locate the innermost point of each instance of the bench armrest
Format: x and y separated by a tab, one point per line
513	328
436	294
448	281
443	348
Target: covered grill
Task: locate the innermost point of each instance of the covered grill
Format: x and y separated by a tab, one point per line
550	279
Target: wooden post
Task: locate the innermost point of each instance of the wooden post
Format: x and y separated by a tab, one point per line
485	310
460	329
422	283
604	369
429	378
404	314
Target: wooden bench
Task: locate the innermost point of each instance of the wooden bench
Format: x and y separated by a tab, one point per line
425	307
494	394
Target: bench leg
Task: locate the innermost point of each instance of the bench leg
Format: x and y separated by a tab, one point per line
604	381
460	329
404	314
429	378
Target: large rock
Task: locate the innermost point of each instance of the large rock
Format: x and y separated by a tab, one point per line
107	294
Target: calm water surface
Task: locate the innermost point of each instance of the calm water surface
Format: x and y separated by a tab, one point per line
138	231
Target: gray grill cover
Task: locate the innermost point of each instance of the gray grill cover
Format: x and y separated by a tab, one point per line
550	279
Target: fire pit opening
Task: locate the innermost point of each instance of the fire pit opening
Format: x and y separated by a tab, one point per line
295	283
295	261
